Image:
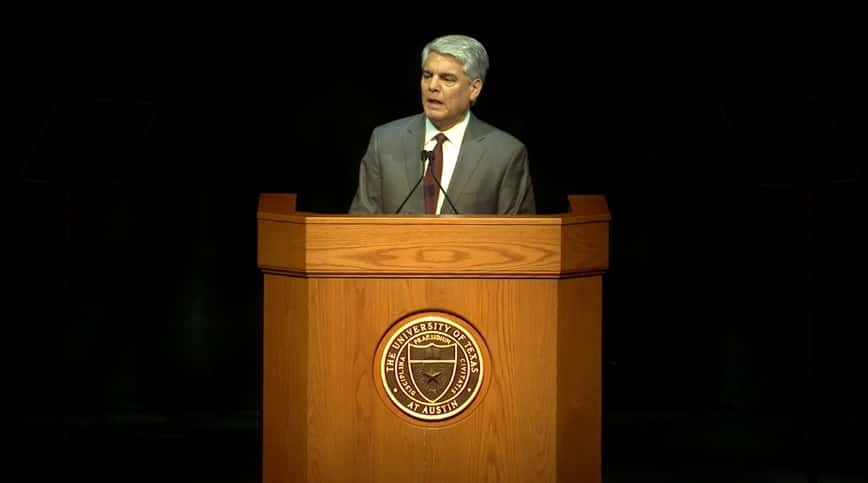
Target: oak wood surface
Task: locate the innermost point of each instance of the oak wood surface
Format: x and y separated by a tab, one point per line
285	379
433	246
333	286
509	437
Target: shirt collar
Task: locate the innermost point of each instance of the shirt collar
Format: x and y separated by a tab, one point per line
455	134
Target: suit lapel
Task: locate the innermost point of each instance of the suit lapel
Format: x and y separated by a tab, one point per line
472	150
411	148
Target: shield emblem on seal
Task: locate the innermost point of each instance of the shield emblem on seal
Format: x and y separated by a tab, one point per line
432	368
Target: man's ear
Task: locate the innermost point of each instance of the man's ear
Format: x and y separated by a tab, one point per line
475	89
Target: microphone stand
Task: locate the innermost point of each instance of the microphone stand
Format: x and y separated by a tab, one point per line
424	157
429	155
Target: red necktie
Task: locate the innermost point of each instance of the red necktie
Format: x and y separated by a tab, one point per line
435	167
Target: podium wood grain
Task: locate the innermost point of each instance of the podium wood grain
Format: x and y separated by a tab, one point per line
536	303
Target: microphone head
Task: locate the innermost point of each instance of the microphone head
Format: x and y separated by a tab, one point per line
424	156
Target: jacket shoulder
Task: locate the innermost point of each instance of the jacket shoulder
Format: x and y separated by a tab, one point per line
404	123
484	131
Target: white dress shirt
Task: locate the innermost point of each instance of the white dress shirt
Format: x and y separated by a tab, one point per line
451	148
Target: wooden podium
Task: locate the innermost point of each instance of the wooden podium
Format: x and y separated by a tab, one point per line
528	287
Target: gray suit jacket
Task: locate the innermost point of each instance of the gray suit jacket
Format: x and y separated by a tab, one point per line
490	177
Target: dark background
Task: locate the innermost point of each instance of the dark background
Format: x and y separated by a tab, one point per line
734	324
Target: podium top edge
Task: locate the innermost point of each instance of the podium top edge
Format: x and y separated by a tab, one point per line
500	220
583	209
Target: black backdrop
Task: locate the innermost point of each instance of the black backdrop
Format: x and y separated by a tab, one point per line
733	322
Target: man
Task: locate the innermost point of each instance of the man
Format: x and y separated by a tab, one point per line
482	169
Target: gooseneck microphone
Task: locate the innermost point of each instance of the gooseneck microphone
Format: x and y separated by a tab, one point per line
429	155
424	157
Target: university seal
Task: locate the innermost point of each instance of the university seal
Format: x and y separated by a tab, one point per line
432	365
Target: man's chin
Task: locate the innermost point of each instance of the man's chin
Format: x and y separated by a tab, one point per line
435	116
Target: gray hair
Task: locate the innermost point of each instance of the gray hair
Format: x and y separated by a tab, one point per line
466	49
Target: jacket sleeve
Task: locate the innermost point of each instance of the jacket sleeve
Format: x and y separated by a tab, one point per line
369	194
515	195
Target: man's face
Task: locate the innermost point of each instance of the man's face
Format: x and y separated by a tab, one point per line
446	90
